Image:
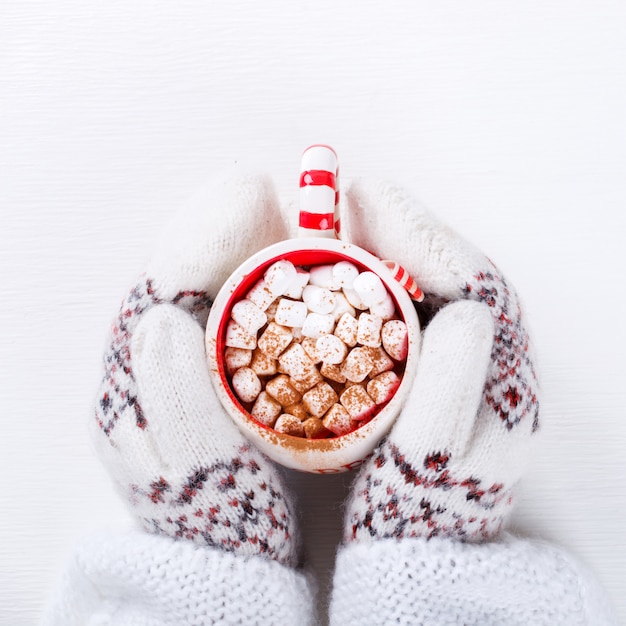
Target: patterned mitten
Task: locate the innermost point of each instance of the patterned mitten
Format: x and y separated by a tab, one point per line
190	477
422	538
449	465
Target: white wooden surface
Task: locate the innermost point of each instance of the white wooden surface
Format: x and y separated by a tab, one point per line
506	118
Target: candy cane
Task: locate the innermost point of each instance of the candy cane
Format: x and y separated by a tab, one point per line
319	193
404	278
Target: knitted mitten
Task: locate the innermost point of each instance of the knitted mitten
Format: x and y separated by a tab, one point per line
158	425
450	463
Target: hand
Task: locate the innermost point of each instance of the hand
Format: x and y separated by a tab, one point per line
159	428
450	463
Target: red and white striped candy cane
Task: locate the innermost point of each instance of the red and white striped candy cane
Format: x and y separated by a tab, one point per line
404	278
319	193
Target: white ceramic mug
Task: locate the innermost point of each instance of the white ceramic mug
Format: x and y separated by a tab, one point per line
323	456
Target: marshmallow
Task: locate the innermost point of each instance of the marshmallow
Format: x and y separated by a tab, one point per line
357	402
295	362
368	331
248	316
279	276
394	336
234	358
289	425
357	365
319	399
381	362
260	295
346	329
338	420
332	372
262	363
382	387
310	347
246	384
297	410
315	429
317	324
344	274
354	299
275	339
266	409
342	306
280	389
318	299
290	313
311	378
238	337
370	288
385	309
331	349
294	290
322	276
271	311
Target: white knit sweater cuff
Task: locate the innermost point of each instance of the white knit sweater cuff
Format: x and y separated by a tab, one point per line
513	582
138	579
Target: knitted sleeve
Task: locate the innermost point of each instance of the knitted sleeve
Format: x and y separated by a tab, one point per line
145	580
513	582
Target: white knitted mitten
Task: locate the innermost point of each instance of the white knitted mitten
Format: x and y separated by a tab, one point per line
159	428
449	465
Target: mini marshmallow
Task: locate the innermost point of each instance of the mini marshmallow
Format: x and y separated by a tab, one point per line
311	379
344	274
248	316
294	290
381	362
279	276
382	387
234	358
322	276
332	372
290	313
346	329
262	364
315	429
298	410
246	384
317	324
357	365
385	309
238	337
275	339
337	420
271	311
394	336
318	299
260	295
266	409
370	288
289	425
280	389
295	362
342	306
331	349
368	331
354	299
357	402
310	347
319	399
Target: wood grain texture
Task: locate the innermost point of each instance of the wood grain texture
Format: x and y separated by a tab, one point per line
506	119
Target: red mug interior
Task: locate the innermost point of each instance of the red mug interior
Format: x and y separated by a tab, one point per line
301	258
